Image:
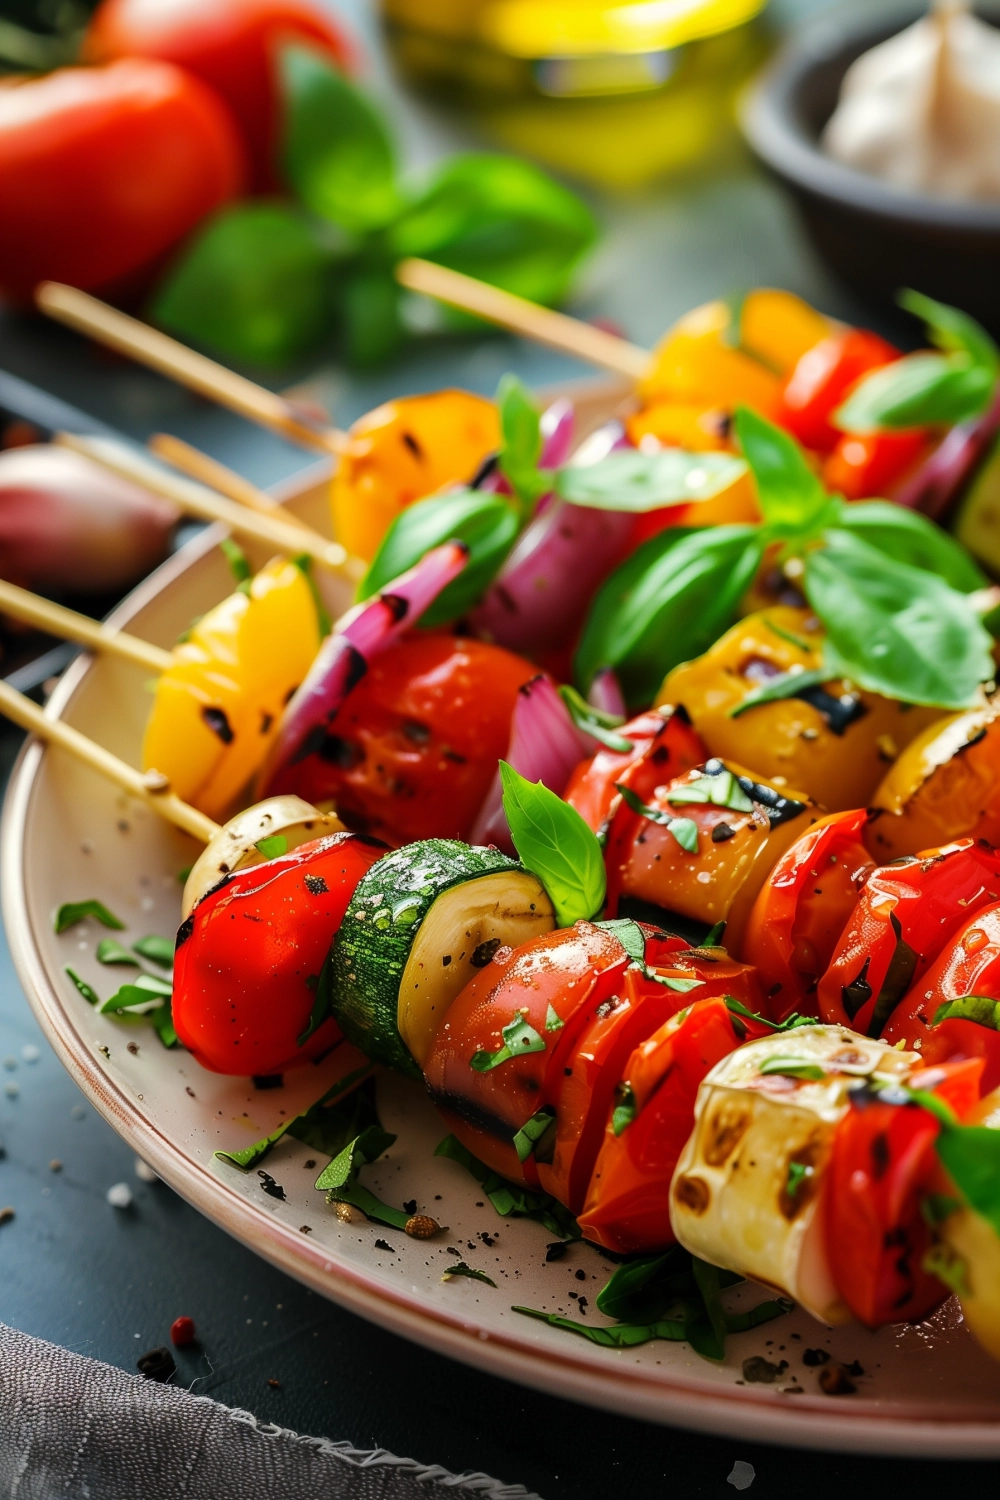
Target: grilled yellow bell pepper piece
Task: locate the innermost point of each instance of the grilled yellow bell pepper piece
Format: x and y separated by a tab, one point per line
402	452
778	328
834	744
217	707
944	786
695	365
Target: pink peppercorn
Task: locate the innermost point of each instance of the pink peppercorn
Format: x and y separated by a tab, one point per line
182	1332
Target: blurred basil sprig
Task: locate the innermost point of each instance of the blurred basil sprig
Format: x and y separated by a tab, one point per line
891	588
264	282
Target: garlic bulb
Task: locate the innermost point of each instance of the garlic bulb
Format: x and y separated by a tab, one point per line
922	110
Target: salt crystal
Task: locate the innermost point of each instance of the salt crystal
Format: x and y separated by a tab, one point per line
120	1196
30	1052
144	1171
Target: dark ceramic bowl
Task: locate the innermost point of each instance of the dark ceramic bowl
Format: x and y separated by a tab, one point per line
877	238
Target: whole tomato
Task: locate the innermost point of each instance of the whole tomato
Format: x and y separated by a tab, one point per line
413	750
104	170
250	954
231	45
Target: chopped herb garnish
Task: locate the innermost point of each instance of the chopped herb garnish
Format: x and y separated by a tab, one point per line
461	1269
74	911
618	1336
714	935
237	559
793	1067
684	830
159	950
512	1200
736	1007
326	1125
530	1139
798	1172
272	847
719	790
339	1178
599	725
625	1109
519	1038
787	685
629	934
145	994
87	991
553	1020
110	951
978	1008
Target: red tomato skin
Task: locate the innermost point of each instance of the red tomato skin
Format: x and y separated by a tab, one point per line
569	971
665	744
104	170
860	467
822	379
231	45
881	1162
931	897
627	1206
969	965
248	951
802	910
413	750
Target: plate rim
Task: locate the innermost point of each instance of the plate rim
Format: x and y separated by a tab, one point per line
812	1422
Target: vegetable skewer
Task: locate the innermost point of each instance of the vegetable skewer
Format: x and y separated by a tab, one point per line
157	351
69	625
197	500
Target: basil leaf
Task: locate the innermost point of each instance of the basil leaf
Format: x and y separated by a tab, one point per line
719	790
487	524
785	685
641	1291
338	154
600	726
971	1155
252	285
666	603
532	1133
521	443
618	1336
146	994
554	843
684	830
319	1119
461	1269
162	1022
74	911
502	220
86	990
978	1008
159	950
512	1200
909	537
791	497
518	1039
736	1007
369	301
629	934
110	951
894	629
952	330
916	391
365	1148
638	482
713	1342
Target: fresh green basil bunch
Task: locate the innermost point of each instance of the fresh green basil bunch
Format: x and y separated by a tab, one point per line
267	280
890	587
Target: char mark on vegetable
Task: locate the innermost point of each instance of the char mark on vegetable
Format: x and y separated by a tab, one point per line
217	722
839	712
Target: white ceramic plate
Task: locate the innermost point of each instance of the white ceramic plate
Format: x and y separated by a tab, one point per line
67	836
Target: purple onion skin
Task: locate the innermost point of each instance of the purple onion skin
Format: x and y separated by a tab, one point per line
538	601
344	656
545	746
938	480
606	694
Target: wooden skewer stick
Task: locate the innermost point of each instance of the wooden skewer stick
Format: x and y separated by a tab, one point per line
158	351
150	787
196	500
20	604
528	319
197	465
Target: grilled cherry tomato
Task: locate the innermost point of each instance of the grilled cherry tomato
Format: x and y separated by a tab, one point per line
413	750
104	170
232	45
966	978
821	380
627	1206
945	785
496	1060
874	464
882	1159
906	914
803	907
664	742
244	994
585	1086
829	741
403	451
735	850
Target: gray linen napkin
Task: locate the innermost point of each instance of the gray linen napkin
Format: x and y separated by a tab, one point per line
81	1430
